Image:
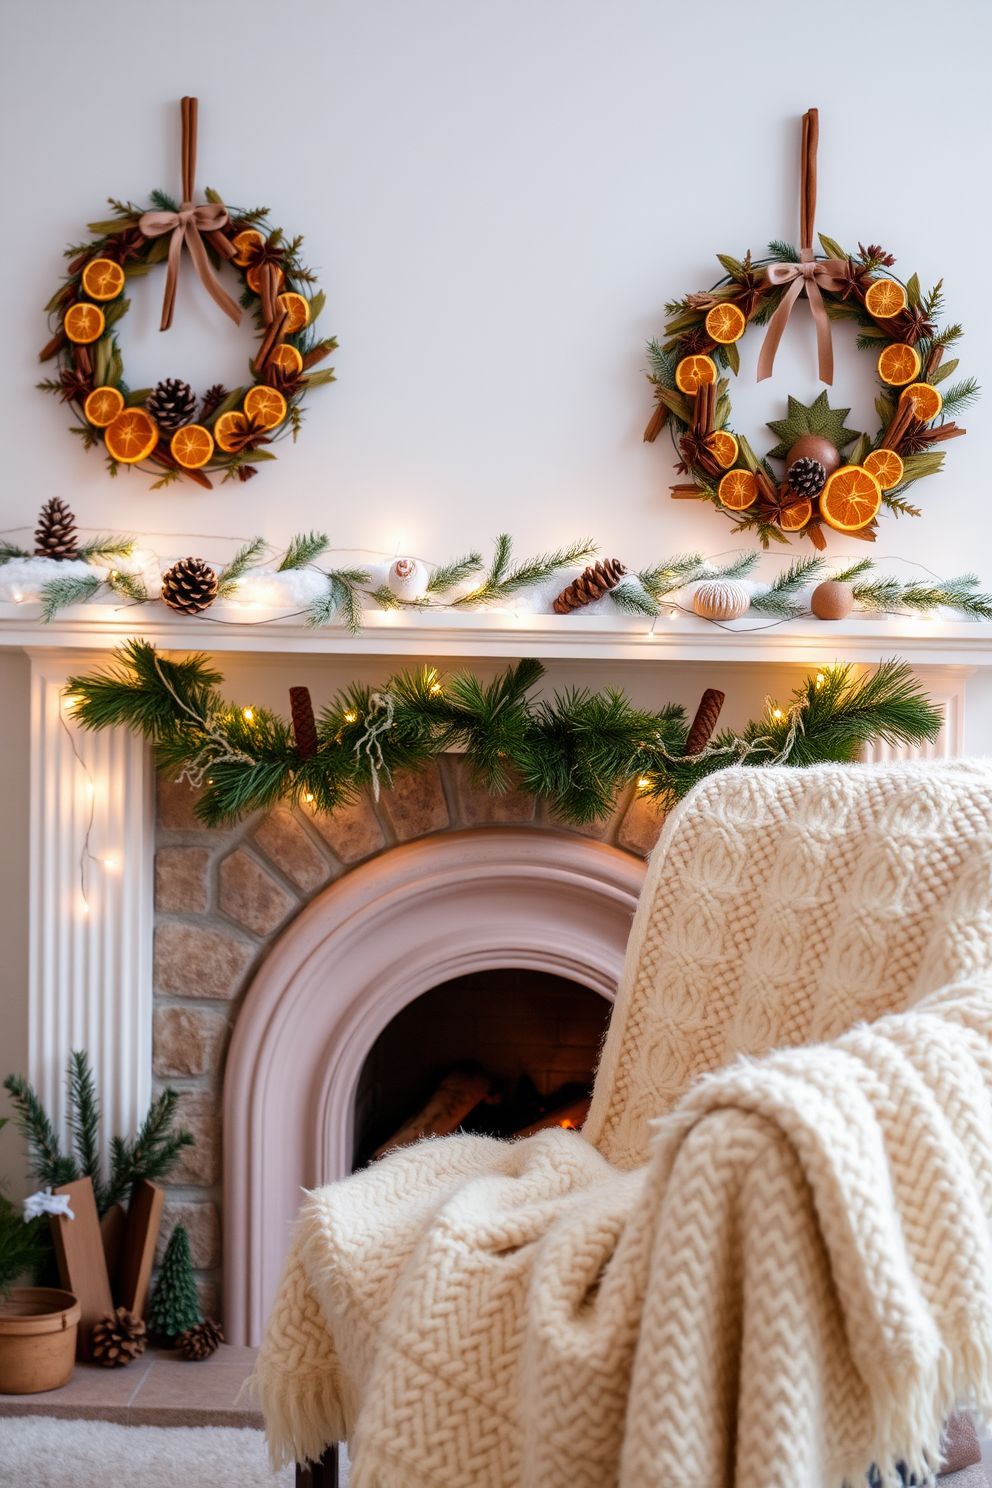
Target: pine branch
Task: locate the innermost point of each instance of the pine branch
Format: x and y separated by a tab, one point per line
57	594
163	202
106	547
503	580
959	397
305	548
778	249
10	550
47	1161
84	1122
780	597
243	560
131	586
633	599
152	1153
385	598
665	578
341	595
738	567
447	575
854	571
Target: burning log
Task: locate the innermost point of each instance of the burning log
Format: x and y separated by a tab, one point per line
457	1095
571	1116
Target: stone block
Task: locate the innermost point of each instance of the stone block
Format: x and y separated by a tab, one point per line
477	807
181	880
283	839
176	799
202	1223
415	804
191	961
352	832
641	826
209	1293
187	1041
249	896
199	1166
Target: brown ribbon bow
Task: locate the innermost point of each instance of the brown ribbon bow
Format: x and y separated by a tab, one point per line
186	226
807	276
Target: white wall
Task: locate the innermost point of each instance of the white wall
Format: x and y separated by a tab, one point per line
15	692
500	196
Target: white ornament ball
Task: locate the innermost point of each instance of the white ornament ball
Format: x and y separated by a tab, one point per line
721	599
408	579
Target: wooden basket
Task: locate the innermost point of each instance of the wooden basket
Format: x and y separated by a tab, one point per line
38	1327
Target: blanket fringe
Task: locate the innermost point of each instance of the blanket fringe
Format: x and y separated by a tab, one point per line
303	1415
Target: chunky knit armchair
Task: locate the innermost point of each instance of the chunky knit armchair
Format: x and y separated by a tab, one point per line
567	1310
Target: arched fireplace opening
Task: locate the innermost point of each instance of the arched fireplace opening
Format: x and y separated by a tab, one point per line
496	1052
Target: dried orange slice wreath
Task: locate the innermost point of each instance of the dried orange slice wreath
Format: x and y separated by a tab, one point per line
860	475
225	432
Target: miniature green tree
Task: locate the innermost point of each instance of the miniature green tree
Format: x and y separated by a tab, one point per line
175	1304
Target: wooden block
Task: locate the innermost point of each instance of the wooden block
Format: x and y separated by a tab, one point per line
134	1268
82	1264
112	1229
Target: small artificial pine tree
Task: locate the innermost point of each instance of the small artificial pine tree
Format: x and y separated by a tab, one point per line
175	1304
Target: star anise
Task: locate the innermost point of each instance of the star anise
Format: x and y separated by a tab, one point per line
695	454
772	507
245	472
874	257
265	252
248	438
287	383
751	287
76	386
695	343
854	278
917	324
125	245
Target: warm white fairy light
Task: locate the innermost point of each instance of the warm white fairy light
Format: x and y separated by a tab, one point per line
248	714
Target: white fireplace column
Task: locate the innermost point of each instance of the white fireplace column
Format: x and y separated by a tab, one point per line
92	898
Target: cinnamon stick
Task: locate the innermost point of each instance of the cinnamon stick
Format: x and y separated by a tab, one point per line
685	493
272	336
705	720
189	110
163	458
655	424
933	362
811	138
898	424
766	486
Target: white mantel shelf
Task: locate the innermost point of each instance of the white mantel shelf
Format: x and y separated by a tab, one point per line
938	642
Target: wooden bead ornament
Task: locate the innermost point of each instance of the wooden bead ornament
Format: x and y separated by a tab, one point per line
721	599
832	600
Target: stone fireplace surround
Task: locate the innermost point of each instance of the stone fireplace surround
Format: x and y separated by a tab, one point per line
224	901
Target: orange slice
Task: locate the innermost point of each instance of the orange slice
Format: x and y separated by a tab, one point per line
738	490
254	280
693	371
885	298
725	323
103	405
264	404
850	499
242	242
84	323
192	446
723	447
227	427
103	279
899	363
927	401
288	358
132	436
886	466
299	312
793	517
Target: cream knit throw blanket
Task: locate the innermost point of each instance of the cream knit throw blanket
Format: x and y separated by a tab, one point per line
766	1261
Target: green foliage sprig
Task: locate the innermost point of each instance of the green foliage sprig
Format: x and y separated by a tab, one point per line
578	749
151	1153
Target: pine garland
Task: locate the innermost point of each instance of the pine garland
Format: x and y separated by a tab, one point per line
578	750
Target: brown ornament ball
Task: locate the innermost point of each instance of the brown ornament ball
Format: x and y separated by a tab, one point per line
814	447
832	600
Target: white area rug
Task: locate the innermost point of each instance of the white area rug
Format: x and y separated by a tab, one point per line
41	1452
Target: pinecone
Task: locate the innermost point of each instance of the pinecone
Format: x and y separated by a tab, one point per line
172	404
189	586
200	1342
597	580
56	531
118	1338
807	478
